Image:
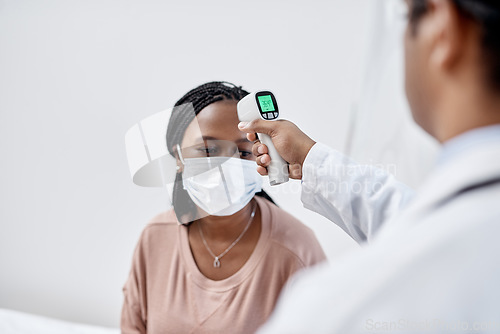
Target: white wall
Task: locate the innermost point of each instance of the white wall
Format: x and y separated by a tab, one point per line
75	75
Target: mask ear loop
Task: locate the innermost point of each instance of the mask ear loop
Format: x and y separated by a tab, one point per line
179	153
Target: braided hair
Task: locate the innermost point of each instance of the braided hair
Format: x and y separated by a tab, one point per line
182	115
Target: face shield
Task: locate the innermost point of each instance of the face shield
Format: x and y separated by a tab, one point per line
207	176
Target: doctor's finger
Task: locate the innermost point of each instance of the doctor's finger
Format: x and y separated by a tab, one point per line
259	149
261	170
263	160
251	136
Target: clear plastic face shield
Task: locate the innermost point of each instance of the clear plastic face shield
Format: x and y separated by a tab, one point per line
208	175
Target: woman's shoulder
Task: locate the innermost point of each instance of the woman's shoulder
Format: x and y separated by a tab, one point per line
166	218
157	241
290	233
285	225
160	226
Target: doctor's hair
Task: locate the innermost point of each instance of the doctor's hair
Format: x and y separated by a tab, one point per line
182	115
486	14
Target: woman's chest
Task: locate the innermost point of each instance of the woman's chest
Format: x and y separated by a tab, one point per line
180	304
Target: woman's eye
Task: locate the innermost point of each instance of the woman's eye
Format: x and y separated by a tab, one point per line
207	150
245	154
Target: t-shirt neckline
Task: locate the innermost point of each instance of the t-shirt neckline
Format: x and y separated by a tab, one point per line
237	278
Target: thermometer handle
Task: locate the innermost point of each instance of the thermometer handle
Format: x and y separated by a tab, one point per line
278	169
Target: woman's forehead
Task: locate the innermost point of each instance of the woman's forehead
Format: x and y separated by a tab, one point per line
218	120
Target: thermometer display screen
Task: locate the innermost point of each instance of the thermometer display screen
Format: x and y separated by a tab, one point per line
266	103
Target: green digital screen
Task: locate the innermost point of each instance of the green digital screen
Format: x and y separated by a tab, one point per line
266	103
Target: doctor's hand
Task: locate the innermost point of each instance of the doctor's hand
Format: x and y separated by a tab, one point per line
291	143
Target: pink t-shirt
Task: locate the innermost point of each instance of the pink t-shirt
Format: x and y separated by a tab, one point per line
166	293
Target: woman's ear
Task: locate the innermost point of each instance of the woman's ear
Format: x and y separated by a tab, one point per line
180	166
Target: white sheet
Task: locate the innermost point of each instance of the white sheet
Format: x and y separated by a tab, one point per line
15	322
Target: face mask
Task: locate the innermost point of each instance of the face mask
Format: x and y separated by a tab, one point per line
221	186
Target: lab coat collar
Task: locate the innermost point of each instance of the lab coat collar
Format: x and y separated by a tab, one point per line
468	141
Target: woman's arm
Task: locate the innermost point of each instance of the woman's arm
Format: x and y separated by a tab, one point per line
134	315
358	198
131	320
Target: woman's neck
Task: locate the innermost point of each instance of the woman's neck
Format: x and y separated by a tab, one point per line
223	228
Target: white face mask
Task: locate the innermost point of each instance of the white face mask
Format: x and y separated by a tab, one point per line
221	186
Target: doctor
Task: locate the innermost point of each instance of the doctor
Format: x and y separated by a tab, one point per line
430	261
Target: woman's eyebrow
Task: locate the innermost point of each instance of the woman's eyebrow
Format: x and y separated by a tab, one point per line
204	138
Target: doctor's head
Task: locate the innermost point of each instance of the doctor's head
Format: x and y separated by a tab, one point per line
452	51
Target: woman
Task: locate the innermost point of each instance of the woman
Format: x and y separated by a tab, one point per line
223	268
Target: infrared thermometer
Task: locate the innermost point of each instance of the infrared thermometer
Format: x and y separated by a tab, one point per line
263	105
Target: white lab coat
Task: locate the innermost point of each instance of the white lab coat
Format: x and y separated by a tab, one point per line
432	267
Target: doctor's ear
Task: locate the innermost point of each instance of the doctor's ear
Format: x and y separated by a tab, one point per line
446	32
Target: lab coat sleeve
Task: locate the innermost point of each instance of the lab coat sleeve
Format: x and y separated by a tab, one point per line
358	198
